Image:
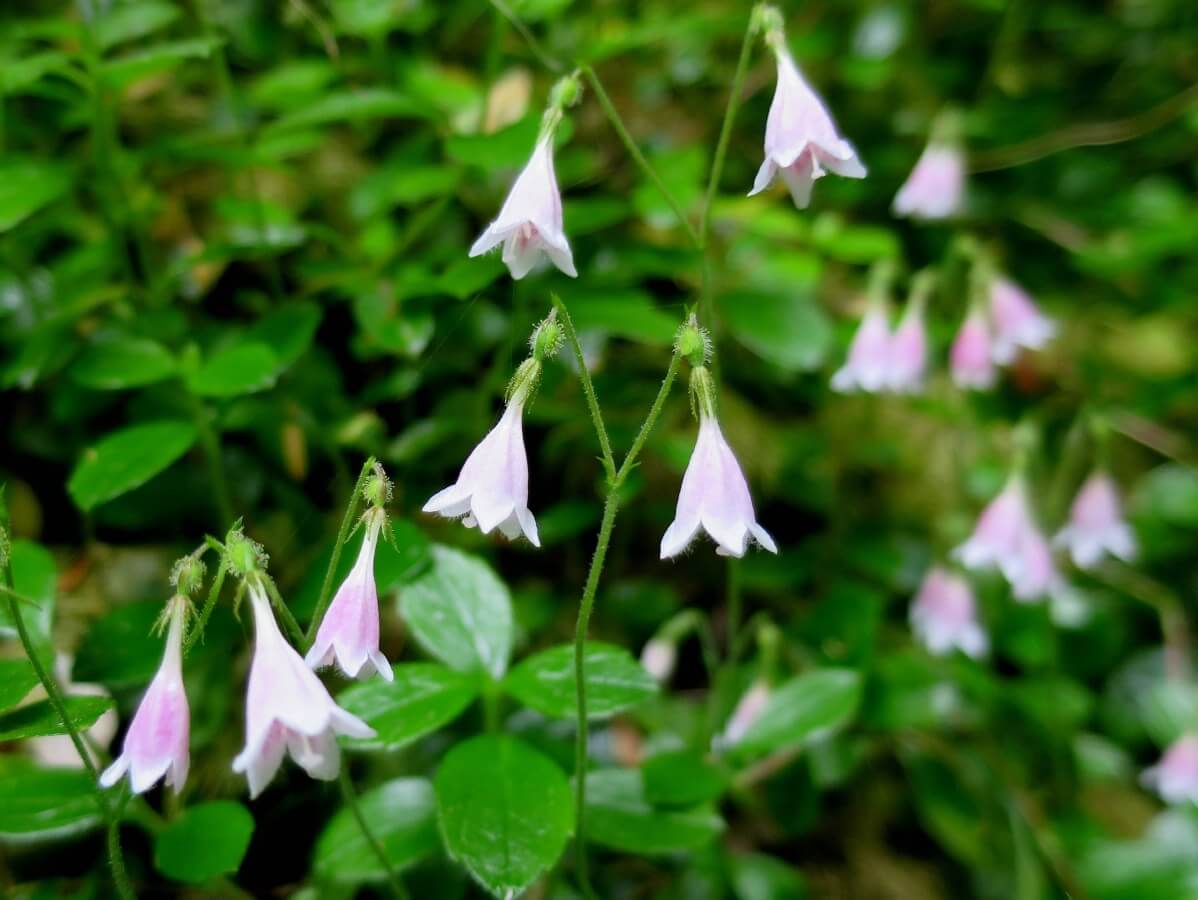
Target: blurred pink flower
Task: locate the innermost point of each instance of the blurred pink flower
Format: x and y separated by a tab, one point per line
1096	526
287	709
1006	537
944	615
492	488
970	357
658	658
530	222
868	364
714	497
157	742
1017	321
748	710
1175	777
349	631
801	140
908	351
936	186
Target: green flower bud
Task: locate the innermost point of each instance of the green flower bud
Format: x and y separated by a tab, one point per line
693	343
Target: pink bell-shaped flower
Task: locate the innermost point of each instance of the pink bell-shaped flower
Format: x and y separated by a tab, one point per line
868	365
530	222
1175	777
801	140
658	658
909	349
349	631
970	357
492	488
156	743
1006	537
748	710
714	496
1096	526
1017	321
944	615
936	186
287	709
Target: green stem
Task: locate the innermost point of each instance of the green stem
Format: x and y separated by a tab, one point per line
529	38
197	630
635	152
376	847
650	420
735	604
588	388
216	466
326	588
115	858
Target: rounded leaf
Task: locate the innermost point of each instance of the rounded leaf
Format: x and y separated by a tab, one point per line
402	816
614	681
205	841
127	459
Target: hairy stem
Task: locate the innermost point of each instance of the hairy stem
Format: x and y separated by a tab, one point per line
529	38
376	846
588	388
197	630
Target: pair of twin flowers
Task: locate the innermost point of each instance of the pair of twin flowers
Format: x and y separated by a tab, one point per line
288	709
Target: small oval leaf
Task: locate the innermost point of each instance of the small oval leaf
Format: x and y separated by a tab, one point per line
422	698
205	841
127	459
614	680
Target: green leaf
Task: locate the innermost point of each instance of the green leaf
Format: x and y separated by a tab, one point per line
349	106
17	679
1169	493
615	681
619	816
26	186
626	313
40	804
422	698
461	613
287	331
805	708
402	816
205	841
130	21
120	650
788	330
505	811
34	577
127	459
122	362
242	369
681	778
41	718
756	876
507	148
161	58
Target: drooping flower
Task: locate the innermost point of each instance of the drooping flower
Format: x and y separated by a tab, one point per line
944	615
868	365
970	358
1017	321
909	350
349	631
1175	777
287	709
936	186
1096	526
801	140
748	710
492	488
156	744
658	658
530	221
714	495
1007	537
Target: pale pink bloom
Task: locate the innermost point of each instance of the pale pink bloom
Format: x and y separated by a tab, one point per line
868	365
970	359
936	186
908	352
530	222
492	488
658	658
714	497
801	140
1096	526
156	743
944	615
1175	777
287	709
1006	537
349	631
748	710
1017	321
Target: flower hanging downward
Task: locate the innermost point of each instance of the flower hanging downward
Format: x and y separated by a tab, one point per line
869	360
349	631
801	140
970	359
909	344
1175	777
1096	526
492	488
936	186
714	496
1017	321
1006	536
156	744
944	615
287	709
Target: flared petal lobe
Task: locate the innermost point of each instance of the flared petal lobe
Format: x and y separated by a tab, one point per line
1006	537
1018	322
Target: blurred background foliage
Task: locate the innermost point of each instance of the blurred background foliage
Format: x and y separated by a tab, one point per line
233	242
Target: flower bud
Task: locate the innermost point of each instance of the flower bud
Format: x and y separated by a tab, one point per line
188	575
693	343
377	490
566	92
244	556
